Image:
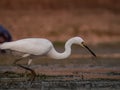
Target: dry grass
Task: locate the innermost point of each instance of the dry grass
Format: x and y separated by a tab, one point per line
97	21
95	26
113	5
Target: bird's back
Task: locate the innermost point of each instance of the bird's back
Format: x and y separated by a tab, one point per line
35	46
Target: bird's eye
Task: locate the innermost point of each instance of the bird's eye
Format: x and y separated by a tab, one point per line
82	42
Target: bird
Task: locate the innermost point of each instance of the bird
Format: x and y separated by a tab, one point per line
41	46
5	35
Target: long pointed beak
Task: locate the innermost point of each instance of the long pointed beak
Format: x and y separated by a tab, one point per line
89	49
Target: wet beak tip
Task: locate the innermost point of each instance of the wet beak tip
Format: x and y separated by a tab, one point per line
89	50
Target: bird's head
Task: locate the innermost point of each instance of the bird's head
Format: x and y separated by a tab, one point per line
81	42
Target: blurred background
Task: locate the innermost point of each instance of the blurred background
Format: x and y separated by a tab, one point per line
97	21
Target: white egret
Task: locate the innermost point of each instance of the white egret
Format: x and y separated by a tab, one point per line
41	46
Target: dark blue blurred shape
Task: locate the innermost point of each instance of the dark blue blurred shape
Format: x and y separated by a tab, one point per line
5	35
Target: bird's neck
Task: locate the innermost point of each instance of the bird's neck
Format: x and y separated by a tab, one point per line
56	55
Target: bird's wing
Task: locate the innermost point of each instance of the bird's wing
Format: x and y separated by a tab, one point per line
31	46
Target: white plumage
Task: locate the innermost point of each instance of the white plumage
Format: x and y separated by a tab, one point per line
40	46
35	46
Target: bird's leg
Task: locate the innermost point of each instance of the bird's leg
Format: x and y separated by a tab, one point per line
29	62
17	60
32	71
24	56
26	68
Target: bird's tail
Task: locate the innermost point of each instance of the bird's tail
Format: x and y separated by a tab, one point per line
4	45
